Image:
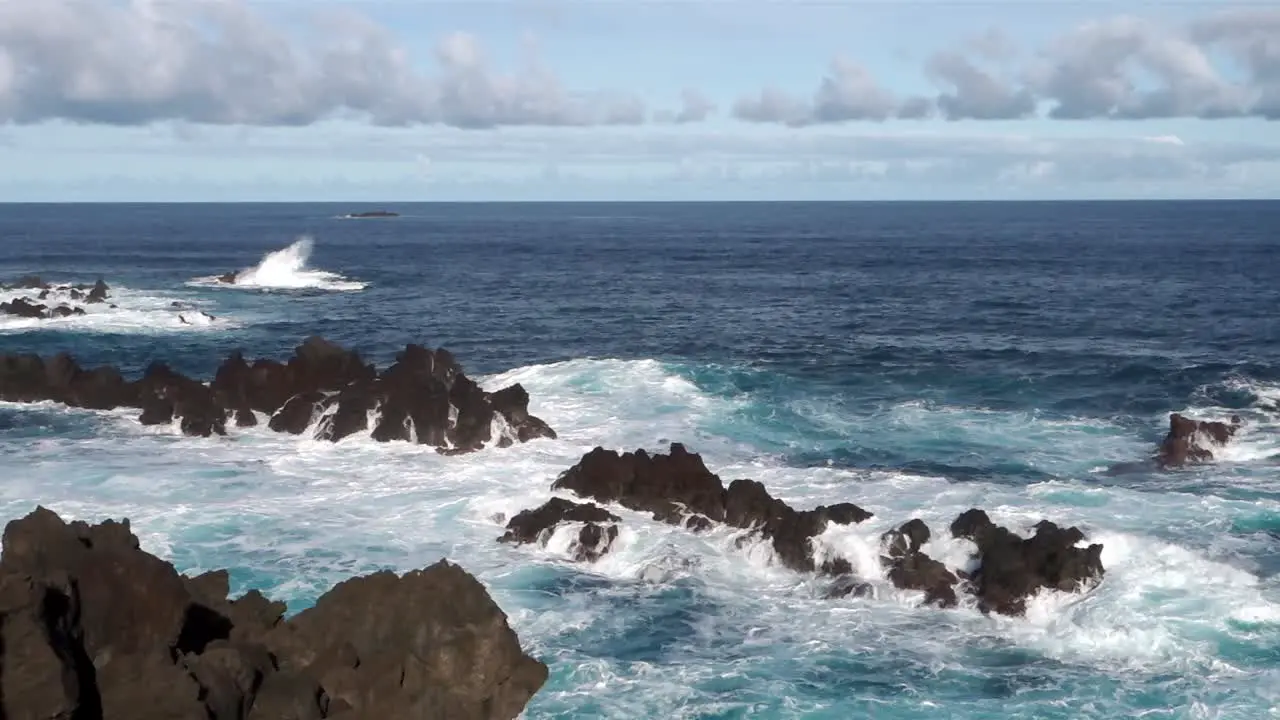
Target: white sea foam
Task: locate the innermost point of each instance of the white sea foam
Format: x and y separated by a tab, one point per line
294	514
285	269
126	311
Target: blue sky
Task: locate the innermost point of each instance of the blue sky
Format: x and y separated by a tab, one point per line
601	99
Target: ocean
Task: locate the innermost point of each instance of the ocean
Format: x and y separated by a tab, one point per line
917	359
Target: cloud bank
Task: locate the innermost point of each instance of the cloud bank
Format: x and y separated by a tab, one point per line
222	62
1119	68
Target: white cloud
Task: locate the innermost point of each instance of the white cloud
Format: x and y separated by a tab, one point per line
220	62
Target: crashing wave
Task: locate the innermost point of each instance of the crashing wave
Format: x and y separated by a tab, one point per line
284	269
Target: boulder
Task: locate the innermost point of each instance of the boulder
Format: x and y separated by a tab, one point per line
1191	441
595	538
99	293
93	627
23	308
1013	568
911	569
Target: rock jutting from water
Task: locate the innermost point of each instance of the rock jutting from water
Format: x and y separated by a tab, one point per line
423	397
677	488
1193	441
94	627
70	299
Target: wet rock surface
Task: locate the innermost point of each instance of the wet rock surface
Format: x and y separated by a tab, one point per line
93	627
323	388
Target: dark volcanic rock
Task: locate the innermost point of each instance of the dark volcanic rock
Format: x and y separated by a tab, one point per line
423	397
93	627
1190	440
1013	568
30	282
911	569
23	308
99	293
672	486
536	526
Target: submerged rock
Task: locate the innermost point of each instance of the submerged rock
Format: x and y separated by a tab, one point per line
1190	441
93	627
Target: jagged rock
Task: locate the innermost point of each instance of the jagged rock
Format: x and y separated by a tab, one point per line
1013	568
423	397
911	569
23	308
93	627
672	486
99	293
536	526
1191	440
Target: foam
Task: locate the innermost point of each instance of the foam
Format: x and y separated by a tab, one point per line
285	269
135	312
674	624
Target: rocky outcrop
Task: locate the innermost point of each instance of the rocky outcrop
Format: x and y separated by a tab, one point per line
35	307
93	627
910	569
1012	568
326	389
594	539
1192	441
677	488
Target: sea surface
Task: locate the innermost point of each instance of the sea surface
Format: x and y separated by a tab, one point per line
915	359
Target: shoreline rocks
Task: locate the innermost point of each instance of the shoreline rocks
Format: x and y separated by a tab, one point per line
678	489
424	397
94	627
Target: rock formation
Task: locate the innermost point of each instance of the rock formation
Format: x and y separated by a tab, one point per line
677	488
424	397
35	308
93	627
594	539
1191	441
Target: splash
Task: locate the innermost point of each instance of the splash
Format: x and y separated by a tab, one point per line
285	270
127	311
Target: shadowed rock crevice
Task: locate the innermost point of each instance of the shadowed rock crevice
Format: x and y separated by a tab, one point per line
324	389
93	627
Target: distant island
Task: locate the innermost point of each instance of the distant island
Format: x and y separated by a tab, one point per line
372	214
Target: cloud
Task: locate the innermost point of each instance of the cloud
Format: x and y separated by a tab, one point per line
220	62
848	92
1122	68
977	94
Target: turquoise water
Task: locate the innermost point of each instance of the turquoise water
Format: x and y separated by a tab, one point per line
916	362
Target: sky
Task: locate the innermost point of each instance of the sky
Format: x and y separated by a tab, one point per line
423	100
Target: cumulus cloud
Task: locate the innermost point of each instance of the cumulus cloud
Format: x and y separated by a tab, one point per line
220	62
1117	68
848	92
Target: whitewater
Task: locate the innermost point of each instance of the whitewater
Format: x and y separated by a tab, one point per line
902	378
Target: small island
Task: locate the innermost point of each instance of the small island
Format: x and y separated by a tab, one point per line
372	214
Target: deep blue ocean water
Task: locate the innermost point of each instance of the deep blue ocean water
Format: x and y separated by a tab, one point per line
917	359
